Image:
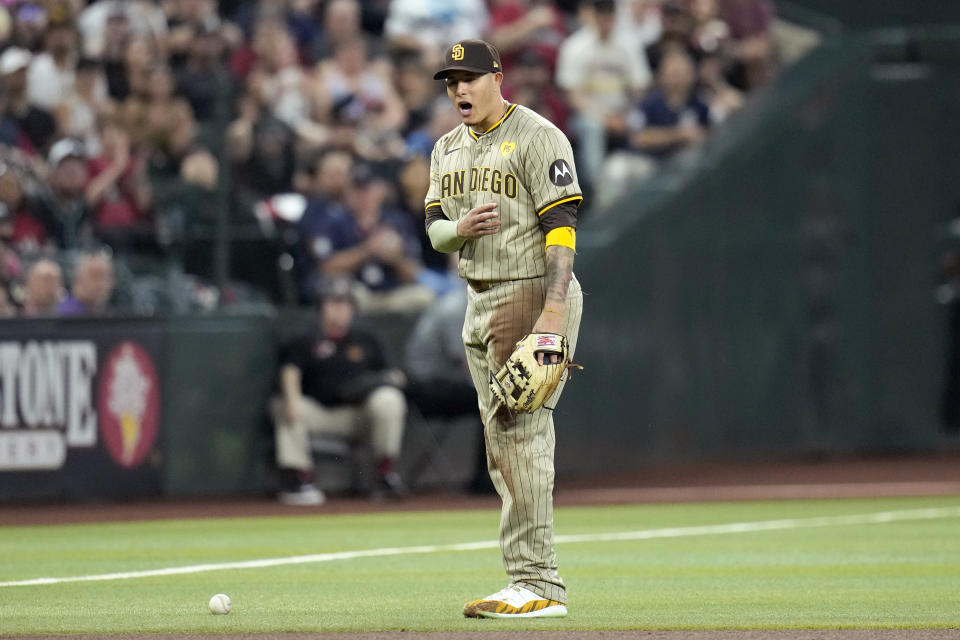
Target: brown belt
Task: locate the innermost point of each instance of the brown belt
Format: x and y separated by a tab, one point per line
480	285
486	285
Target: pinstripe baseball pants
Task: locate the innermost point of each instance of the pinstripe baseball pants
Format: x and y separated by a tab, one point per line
520	446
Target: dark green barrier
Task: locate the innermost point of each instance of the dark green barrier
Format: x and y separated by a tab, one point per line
878	13
777	297
220	372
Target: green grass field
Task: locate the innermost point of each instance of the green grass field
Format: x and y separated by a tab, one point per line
792	564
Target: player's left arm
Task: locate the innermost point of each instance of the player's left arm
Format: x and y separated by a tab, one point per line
559	273
555	185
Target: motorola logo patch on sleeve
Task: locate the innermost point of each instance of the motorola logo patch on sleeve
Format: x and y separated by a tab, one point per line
560	173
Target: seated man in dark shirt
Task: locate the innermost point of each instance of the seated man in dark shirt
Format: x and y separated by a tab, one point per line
672	116
374	243
336	380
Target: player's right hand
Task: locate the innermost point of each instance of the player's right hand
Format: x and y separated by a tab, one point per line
479	221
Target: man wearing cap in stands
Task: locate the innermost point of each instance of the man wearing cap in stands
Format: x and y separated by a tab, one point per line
34	126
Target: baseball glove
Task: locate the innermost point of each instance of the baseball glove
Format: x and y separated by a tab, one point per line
522	383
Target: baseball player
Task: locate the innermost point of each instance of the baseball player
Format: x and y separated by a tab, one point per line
504	193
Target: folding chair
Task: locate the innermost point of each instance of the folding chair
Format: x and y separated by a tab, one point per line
336	461
428	437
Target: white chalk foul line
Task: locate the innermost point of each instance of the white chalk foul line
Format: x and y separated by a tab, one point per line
647	534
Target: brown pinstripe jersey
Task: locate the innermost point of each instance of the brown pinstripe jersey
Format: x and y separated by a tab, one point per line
524	164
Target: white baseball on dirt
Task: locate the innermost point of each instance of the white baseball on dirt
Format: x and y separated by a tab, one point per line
220	604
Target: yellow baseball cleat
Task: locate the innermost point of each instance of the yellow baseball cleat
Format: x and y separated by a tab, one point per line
514	602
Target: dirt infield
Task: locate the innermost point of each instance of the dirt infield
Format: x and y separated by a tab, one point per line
862	477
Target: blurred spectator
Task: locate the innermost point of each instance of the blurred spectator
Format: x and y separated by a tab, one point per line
439	269
91	287
43	289
119	190
63	207
29	23
294	15
278	81
261	149
256	45
27	231
205	81
677	33
341	22
374	17
532	86
191	19
101	24
363	92
10	265
336	380
141	58
430	27
52	71
602	75
640	20
375	244
672	116
711	35
442	120
751	30
519	27
6	26
325	178
439	382
721	97
7	308
34	127
325	182
160	123
112	52
80	110
200	169
417	90
712	45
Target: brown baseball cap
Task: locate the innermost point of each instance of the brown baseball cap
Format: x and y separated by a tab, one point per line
470	55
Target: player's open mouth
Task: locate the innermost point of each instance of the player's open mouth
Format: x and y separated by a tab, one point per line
465	108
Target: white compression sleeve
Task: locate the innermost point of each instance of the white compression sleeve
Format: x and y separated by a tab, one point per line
443	236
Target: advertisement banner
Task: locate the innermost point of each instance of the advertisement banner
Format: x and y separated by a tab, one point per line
80	409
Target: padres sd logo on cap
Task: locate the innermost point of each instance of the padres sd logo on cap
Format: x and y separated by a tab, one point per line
476	56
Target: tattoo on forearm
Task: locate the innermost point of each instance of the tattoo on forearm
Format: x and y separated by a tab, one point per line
559	273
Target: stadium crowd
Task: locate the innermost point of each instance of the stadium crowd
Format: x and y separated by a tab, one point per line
133	131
